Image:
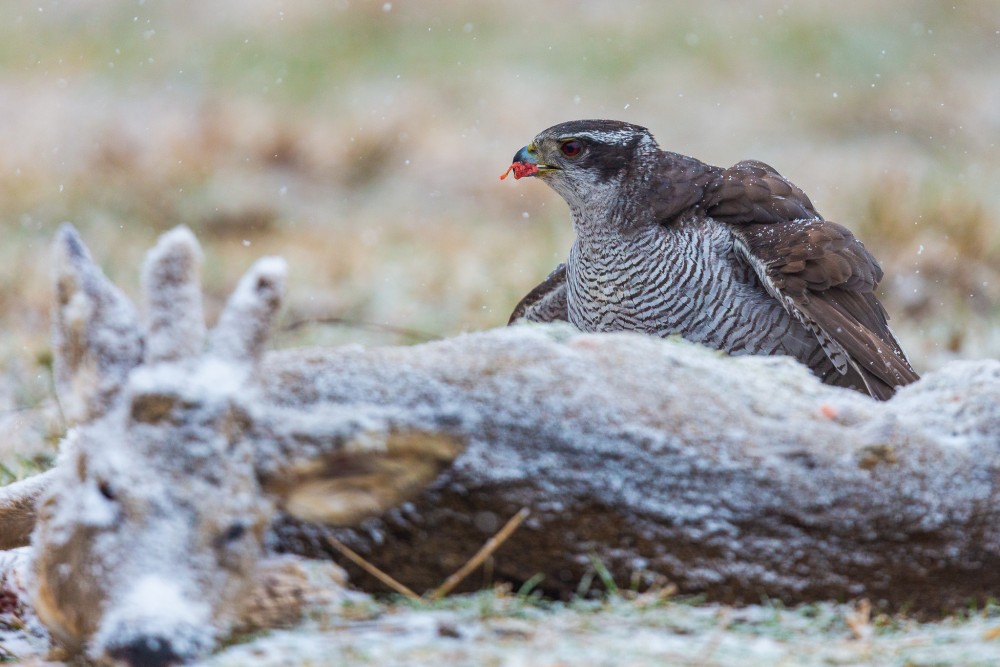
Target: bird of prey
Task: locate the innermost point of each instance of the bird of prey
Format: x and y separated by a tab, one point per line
737	259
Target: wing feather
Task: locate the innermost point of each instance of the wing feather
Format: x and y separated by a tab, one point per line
751	191
546	302
817	269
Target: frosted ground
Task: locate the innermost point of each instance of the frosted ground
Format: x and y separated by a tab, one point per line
362	141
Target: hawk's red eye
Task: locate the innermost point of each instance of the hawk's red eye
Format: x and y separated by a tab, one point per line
571	148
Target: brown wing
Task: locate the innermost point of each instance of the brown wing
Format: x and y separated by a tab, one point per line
677	185
820	272
545	303
751	191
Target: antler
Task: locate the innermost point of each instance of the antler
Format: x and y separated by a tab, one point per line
95	332
245	322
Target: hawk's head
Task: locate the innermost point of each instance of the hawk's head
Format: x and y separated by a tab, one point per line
586	161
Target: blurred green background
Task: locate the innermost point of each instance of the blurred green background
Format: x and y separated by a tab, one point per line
363	141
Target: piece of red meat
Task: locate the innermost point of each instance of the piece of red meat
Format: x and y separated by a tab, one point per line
521	169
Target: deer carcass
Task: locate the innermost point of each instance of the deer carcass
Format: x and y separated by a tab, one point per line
733	477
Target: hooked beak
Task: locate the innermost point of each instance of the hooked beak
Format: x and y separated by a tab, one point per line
526	154
526	164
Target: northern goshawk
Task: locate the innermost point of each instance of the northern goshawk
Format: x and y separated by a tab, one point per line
737	259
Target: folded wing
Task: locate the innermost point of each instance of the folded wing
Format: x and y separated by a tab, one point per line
819	271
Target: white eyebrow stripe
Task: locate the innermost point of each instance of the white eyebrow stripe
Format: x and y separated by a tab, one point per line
613	137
